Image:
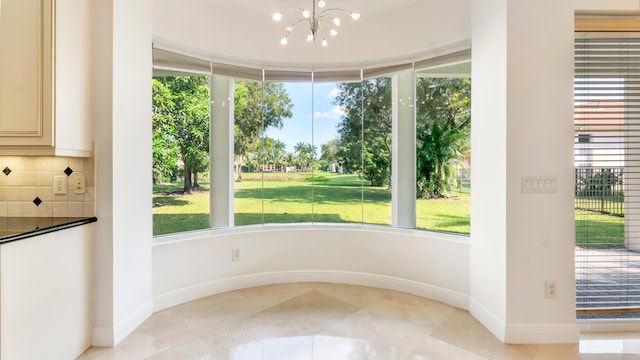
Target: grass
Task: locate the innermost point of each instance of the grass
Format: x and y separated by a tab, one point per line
299	197
452	214
270	198
175	212
613	205
595	230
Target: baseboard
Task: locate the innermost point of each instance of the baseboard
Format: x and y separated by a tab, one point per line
111	336
631	325
524	333
180	296
488	319
542	334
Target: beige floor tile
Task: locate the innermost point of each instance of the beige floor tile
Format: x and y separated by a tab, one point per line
360	296
438	349
558	352
267	296
320	321
307	314
465	332
191	349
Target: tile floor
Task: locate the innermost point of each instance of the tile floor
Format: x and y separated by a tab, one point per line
319	321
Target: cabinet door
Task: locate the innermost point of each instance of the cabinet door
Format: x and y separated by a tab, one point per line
26	72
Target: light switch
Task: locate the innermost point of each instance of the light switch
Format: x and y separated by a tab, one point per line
539	184
59	185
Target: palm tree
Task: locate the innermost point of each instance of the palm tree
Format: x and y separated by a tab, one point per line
279	152
306	153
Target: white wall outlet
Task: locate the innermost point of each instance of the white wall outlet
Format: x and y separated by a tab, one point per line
60	185
79	185
551	289
235	254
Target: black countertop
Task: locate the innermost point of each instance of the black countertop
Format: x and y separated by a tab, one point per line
18	228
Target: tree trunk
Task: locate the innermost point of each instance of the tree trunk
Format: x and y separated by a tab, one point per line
239	179
196	185
188	188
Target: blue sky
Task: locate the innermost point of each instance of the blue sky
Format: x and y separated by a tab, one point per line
312	121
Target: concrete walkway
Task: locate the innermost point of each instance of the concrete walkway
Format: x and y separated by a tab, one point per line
608	278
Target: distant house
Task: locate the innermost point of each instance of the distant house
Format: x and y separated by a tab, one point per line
599	139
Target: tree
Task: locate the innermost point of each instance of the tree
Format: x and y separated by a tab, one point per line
279	153
183	103
443	129
329	153
257	107
305	155
365	129
268	152
164	150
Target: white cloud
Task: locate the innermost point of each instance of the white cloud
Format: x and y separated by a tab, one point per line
335	114
333	93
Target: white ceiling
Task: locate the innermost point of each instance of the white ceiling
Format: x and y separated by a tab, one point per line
242	31
269	6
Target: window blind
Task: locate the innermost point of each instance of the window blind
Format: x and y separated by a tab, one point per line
607	176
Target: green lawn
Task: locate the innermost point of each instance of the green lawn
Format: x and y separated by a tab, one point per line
331	198
178	212
613	205
595	230
451	215
296	197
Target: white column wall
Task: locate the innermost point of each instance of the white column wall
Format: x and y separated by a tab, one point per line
403	164
489	149
122	70
522	105
221	194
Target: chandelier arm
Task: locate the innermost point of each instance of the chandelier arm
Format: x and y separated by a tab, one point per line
334	9
324	21
325	18
293	26
291	8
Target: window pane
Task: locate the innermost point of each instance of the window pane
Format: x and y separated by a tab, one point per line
180	154
248	129
376	152
443	130
337	194
290	156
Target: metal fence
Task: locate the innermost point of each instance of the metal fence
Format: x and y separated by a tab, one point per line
600	190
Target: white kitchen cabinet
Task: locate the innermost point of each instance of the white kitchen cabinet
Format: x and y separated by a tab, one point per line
45	295
45	77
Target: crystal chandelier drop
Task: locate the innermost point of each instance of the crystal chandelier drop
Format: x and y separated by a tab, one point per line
321	21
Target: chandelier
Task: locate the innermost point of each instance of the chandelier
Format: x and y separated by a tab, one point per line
320	21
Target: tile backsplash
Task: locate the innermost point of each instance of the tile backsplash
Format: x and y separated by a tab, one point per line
27	186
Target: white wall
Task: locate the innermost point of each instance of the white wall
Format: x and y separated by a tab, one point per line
608	6
73	75
489	149
122	45
46	295
186	267
522	126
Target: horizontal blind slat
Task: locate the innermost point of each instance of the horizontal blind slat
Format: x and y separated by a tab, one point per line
607	167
